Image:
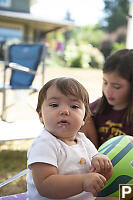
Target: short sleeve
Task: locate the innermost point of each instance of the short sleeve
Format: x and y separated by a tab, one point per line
44	150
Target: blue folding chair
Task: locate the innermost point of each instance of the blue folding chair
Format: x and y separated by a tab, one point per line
23	60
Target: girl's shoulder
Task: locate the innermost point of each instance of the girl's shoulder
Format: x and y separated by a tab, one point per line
94	104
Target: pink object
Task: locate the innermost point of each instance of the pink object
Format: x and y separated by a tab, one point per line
21	196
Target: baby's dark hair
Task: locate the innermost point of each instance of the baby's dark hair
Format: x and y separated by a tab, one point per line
121	62
67	86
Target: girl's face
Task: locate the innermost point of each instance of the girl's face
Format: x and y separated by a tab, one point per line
116	90
62	115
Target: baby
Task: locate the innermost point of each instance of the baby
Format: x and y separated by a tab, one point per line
63	163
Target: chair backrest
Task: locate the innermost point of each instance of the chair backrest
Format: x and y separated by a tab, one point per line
28	55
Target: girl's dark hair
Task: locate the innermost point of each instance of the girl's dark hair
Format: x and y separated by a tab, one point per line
120	62
67	86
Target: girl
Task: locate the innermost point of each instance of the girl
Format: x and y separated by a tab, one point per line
113	113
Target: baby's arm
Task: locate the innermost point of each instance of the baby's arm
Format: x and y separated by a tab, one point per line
101	164
52	185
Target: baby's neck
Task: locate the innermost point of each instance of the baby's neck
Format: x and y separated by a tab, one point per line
69	142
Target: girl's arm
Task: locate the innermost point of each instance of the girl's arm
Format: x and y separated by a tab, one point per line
55	186
90	131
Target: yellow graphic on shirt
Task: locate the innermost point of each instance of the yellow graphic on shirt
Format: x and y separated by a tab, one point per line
82	161
111	124
111	129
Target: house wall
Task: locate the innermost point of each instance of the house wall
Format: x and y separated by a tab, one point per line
11	26
11	31
27	33
15	5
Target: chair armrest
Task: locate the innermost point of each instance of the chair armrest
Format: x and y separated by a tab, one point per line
18	175
19	67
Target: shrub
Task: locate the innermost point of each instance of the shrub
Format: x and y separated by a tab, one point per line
106	47
97	58
118	46
83	56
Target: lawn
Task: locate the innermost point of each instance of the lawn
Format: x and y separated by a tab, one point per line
13	154
12	160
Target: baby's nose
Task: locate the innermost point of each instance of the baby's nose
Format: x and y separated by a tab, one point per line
64	111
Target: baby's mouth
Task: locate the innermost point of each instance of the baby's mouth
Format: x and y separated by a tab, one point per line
63	123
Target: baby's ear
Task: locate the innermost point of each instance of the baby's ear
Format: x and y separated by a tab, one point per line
83	122
40	116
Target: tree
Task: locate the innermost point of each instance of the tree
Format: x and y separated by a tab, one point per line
68	33
88	35
116	12
91	35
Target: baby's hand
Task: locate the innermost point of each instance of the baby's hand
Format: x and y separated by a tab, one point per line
93	182
102	164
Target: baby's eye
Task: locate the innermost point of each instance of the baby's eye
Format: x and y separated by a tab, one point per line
74	106
105	83
53	105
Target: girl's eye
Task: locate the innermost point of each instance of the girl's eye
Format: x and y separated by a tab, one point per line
117	87
74	106
53	105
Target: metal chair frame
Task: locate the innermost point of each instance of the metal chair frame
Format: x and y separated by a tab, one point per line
21	196
24	69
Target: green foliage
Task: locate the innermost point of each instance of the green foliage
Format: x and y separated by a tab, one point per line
97	58
116	12
88	35
75	42
83	56
80	35
118	46
55	59
56	35
76	62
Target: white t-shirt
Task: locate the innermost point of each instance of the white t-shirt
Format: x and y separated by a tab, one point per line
75	159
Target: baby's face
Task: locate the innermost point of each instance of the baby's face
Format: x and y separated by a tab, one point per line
62	115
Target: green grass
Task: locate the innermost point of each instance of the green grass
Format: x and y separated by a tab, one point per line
13	158
12	161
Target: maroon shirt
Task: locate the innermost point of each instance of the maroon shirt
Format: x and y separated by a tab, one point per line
110	124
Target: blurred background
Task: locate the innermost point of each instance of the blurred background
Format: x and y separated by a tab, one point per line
78	36
99	26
